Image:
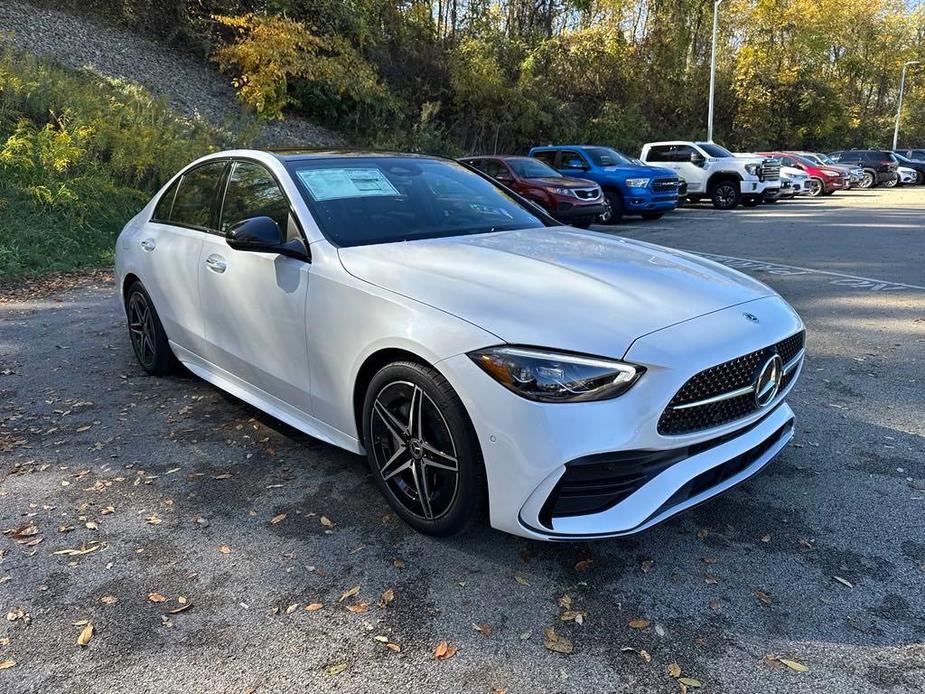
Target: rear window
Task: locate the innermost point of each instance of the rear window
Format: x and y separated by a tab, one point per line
532	168
370	200
195	197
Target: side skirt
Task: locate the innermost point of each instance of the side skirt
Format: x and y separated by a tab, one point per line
262	400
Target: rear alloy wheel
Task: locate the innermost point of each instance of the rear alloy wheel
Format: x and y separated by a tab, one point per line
867	180
149	341
725	194
422	449
891	183
614	211
816	187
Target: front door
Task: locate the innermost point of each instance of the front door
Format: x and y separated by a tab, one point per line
254	304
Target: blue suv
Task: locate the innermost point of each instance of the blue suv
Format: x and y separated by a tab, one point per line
630	186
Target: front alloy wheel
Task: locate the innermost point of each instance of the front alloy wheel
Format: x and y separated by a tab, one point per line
422	449
725	195
614	211
867	180
816	187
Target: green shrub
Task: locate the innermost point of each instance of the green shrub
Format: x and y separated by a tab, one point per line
79	155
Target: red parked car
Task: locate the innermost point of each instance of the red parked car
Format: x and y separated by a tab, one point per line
574	201
823	180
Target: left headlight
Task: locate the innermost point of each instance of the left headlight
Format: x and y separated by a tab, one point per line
547	376
564	191
637	182
752	169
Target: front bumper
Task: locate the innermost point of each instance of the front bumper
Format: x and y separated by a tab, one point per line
833	184
640	200
527	445
569	212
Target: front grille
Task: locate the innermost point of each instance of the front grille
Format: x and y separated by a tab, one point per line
770	170
588	193
724	378
665	185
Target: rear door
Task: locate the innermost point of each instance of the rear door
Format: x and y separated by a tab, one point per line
254	303
171	244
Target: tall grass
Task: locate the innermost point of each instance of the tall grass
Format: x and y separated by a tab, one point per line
79	155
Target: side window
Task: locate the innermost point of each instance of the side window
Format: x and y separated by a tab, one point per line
495	168
660	153
192	205
682	153
253	192
836	157
572	160
547	157
164	205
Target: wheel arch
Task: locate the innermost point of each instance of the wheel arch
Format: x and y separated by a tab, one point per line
723	176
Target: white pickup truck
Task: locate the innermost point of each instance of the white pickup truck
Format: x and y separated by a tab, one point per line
714	172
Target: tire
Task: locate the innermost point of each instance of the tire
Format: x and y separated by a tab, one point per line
149	341
440	450
892	183
816	187
652	215
869	180
725	194
616	208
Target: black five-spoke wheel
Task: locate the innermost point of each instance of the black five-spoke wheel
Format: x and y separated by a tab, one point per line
422	449
147	334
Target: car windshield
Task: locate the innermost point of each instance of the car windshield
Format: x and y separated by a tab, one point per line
532	168
605	156
369	200
715	150
805	161
901	158
822	158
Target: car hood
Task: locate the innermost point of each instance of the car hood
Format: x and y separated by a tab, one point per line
640	171
555	287
564	182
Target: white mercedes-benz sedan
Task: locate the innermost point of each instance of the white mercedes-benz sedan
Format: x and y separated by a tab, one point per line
487	361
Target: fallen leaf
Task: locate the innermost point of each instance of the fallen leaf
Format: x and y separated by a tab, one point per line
576	616
358	607
326	522
223	476
85	635
393	647
804	543
84	549
337	668
702	533
398	563
844	581
156	597
584	565
278	519
182	608
763	597
109	599
7	664
690	682
349	593
644	654
710	578
639	623
646	566
444	651
766	539
674	670
388	595
153	519
292	608
225	549
483	629
714	604
314	606
521	580
794	665
556	643
565	601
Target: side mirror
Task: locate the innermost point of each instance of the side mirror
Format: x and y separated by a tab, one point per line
697	159
263	235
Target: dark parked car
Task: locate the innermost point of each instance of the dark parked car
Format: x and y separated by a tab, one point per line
917	154
879	165
575	201
916	164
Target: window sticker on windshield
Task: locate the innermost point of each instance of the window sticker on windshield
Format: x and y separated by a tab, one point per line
335	184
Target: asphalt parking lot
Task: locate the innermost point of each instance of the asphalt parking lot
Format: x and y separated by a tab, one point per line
193	532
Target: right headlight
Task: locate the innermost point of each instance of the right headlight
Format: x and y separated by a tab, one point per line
548	376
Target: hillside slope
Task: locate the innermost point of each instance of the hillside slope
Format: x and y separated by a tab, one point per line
193	87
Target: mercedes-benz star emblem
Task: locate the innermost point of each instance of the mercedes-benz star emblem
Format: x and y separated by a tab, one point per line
751	316
767	384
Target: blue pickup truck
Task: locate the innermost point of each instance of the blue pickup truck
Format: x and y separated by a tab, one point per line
631	187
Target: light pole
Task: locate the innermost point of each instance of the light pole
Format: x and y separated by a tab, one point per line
712	71
899	107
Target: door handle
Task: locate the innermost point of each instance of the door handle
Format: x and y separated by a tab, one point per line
216	263
148	245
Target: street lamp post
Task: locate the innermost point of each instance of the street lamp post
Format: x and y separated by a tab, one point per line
712	71
899	107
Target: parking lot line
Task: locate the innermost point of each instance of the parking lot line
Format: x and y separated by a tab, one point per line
841	279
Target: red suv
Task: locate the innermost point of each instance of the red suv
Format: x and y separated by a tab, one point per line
574	201
823	180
